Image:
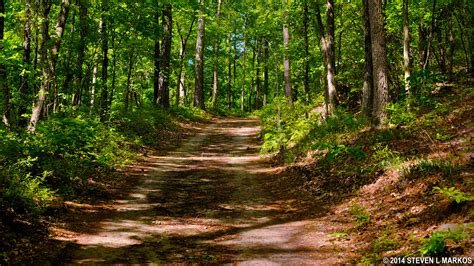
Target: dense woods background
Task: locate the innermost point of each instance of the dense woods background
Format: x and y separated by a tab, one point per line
85	83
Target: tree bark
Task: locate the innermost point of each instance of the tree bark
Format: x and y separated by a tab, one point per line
229	69
265	71
368	87
3	72
129	78
83	27
406	47
24	84
242	90
306	49
257	76
425	63
181	90
215	83
164	90
48	66
379	57
105	62
286	60
157	62
199	64
330	91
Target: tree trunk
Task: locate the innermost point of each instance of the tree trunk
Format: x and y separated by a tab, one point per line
330	91
452	47
199	64
3	72
215	83
24	84
286	60
306	50
265	71
379	57
426	61
129	78
331	63
368	87
406	47
114	68
94	83
157	62
180	90
229	69
76	99
164	89
242	91
48	66
105	62
257	76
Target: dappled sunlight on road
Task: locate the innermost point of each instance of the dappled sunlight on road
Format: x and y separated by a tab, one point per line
204	198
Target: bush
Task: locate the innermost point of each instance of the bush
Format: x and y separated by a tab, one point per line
436	244
57	159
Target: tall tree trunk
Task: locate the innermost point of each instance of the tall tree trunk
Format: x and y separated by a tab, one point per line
48	66
331	34
105	62
368	87
199	65
257	76
24	84
265	71
215	83
181	90
129	78
452	46
242	91
379	57
83	27
331	63
164	90
430	37
229	69
406	47
114	68
306	49
286	60
95	71
69	73
330	91
157	62
3	72
235	71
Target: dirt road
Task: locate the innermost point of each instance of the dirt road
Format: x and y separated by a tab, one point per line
205	202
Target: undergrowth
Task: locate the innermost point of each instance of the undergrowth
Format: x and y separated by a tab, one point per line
336	156
64	155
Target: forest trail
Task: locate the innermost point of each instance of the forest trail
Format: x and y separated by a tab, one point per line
206	201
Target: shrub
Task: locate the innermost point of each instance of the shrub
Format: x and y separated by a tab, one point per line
453	194
436	244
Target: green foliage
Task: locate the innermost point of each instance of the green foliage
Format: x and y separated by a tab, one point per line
28	193
335	150
399	114
190	113
435	245
361	215
57	159
453	194
428	167
384	156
